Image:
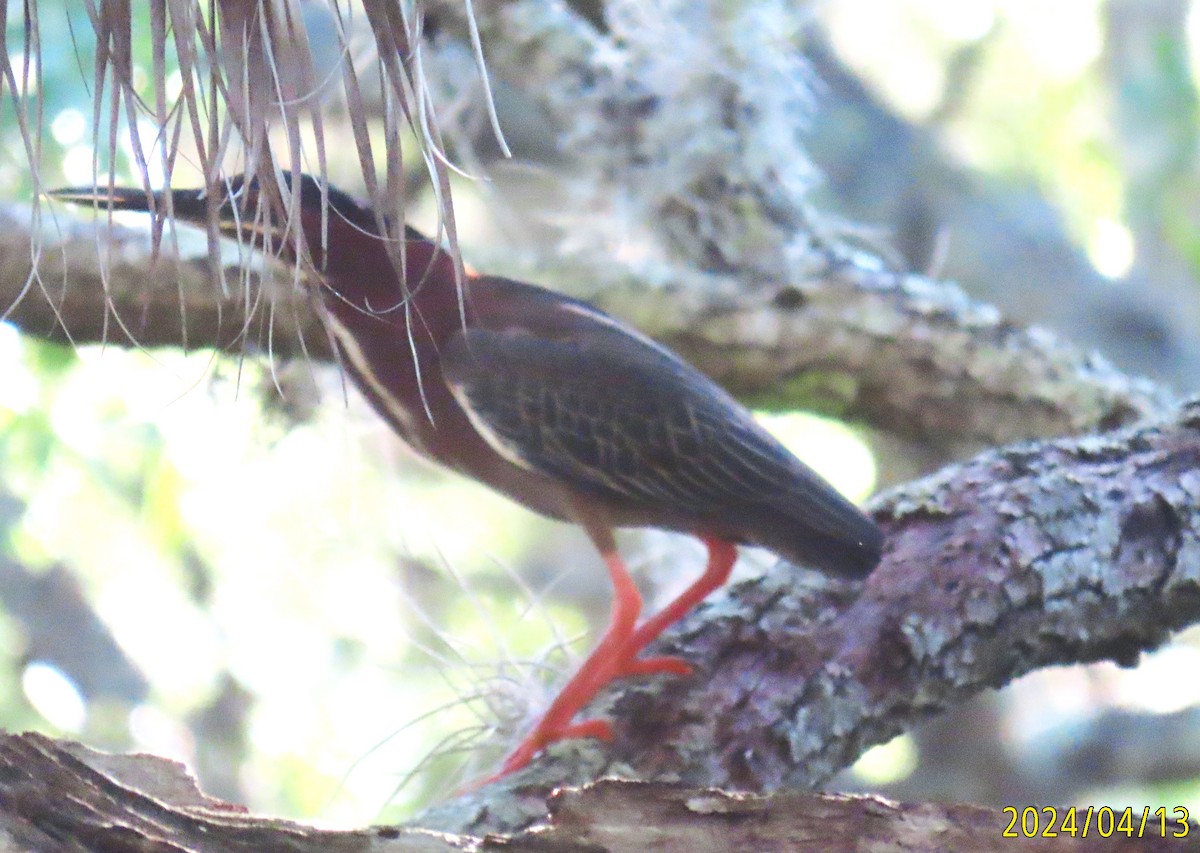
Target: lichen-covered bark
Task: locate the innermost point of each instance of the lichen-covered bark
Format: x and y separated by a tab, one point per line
686	124
905	354
100	283
61	797
1074	550
57	797
680	128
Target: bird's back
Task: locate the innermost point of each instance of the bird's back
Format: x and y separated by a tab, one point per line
559	387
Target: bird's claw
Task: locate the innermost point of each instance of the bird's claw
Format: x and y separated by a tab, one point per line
662	665
551	732
540	738
598	729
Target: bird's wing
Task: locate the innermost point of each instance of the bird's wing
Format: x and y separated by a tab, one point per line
618	417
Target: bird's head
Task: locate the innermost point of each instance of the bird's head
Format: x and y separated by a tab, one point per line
341	236
267	216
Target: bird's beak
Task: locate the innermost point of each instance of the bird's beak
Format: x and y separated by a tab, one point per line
188	204
192	206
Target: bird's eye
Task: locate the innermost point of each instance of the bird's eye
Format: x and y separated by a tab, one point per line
249	229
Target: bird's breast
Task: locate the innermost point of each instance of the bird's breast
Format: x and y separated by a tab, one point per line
389	372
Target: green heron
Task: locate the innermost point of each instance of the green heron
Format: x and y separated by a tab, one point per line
554	403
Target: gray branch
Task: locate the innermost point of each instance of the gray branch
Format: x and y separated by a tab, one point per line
910	356
82	283
701	160
57	796
1068	551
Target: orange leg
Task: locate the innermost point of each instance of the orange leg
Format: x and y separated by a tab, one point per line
615	656
601	667
721	557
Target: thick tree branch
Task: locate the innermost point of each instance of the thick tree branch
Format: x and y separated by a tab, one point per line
1074	550
57	796
910	356
98	283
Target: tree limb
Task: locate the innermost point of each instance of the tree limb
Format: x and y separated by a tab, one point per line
57	796
911	356
61	796
1074	550
98	282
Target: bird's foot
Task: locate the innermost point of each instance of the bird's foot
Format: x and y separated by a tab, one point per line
661	665
617	654
542	736
556	725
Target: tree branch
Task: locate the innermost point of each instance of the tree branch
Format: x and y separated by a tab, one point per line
57	797
61	796
734	272
97	282
910	356
1068	551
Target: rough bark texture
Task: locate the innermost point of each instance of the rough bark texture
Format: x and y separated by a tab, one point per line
905	354
1075	550
61	796
98	282
57	796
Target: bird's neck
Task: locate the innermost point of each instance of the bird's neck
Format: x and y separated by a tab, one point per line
390	327
365	288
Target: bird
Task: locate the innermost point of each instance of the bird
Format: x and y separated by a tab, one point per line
548	400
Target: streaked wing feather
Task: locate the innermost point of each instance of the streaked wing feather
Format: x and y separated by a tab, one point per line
625	422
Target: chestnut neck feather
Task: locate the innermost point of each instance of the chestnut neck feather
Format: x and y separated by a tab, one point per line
389	329
364	288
